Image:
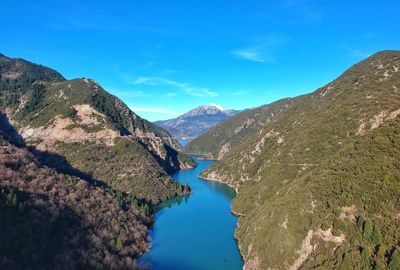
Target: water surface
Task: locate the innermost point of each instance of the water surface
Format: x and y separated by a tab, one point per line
195	232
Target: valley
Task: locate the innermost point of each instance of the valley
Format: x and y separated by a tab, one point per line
316	177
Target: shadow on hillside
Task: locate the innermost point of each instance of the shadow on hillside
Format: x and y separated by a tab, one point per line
33	236
49	159
8	130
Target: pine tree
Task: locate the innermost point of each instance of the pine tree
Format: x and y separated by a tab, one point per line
360	222
365	257
368	227
376	236
394	263
119	245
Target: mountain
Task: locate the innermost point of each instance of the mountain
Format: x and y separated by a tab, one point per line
95	131
54	220
79	172
216	142
318	183
196	121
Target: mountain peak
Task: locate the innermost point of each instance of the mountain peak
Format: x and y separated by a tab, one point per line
214	105
196	121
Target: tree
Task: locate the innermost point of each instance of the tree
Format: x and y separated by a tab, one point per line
145	209
394	262
376	236
346	262
12	198
368	227
360	222
186	189
365	257
119	245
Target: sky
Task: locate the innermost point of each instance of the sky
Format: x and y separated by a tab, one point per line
163	58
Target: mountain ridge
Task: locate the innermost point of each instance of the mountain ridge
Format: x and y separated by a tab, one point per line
67	148
58	115
196	121
310	180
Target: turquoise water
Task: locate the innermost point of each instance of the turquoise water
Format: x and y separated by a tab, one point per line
195	232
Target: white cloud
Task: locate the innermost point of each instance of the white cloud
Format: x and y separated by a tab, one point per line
190	90
250	55
356	53
240	93
171	94
155	110
262	51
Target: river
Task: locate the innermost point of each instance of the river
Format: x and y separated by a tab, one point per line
195	232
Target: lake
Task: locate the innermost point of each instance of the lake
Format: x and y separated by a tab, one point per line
195	232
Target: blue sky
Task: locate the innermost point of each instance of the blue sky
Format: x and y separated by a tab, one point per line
165	57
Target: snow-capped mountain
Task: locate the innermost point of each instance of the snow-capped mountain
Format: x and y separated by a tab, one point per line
196	121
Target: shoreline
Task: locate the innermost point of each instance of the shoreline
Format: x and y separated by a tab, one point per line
237	214
151	225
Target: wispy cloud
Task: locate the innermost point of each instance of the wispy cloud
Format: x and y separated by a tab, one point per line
306	10
251	55
190	90
356	53
171	94
240	93
130	93
155	110
263	50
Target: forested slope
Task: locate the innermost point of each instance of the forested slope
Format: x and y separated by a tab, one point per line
319	184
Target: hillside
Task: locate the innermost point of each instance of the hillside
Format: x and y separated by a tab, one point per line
215	143
95	131
196	121
52	220
319	183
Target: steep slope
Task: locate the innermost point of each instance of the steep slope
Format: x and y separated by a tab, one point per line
197	121
94	130
51	220
215	143
319	184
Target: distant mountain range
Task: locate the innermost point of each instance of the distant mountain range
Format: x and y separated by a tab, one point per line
197	121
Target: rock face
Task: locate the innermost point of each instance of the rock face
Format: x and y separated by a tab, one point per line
318	181
54	220
196	121
95	131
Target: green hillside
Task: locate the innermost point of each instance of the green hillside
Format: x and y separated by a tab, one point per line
226	135
319	183
53	220
96	132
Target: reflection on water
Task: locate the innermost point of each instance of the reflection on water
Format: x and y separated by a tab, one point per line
196	231
221	188
174	201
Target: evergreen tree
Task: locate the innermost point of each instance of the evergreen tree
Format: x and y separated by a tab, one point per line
368	227
119	245
360	222
394	263
365	257
376	236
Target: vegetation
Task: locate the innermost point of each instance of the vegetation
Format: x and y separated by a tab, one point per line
127	166
50	219
82	194
230	132
322	173
139	161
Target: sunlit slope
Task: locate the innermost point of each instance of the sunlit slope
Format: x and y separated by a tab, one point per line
220	139
321	179
96	132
